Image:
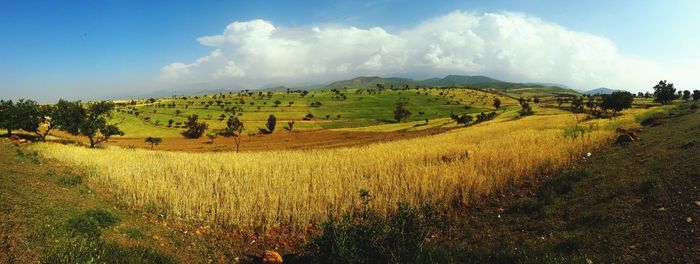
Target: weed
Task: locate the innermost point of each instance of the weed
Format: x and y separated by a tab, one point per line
88	250
525	205
135	233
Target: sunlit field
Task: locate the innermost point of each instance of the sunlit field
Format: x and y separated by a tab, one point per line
297	188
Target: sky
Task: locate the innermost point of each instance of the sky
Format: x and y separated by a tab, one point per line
102	49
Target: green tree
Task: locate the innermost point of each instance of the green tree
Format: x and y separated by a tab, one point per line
30	117
696	95
686	95
400	111
90	122
617	101
7	116
195	129
271	123
154	141
664	92
497	103
234	128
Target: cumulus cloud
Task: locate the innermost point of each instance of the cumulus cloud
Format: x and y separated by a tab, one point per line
509	46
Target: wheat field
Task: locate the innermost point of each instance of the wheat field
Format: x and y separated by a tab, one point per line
299	187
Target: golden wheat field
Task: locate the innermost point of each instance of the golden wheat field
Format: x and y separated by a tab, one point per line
299	187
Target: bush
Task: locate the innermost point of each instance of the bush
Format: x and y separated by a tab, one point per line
561	184
91	222
86	250
525	206
67	181
370	238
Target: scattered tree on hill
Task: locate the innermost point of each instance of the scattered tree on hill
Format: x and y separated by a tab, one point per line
170	122
464	119
536	100
154	141
686	95
497	103
195	129
277	103
664	92
617	101
90	122
696	95
290	126
7	116
577	104
178	112
234	128
211	137
525	105
400	112
270	125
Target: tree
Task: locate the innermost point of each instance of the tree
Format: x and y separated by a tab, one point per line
234	128
536	100
211	137
29	116
525	105
154	141
277	103
194	129
271	123
464	119
400	112
696	95
617	101
290	126
686	95
90	122
178	112
170	122
664	92
7	116
497	103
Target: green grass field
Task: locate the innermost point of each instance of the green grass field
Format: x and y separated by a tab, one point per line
344	109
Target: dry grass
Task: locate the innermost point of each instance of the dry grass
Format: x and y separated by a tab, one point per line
299	187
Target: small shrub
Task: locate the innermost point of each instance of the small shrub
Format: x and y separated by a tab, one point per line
569	244
68	181
91	222
591	219
135	233
648	188
87	250
561	184
525	205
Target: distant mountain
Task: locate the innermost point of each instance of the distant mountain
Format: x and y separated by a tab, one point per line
548	84
601	90
450	80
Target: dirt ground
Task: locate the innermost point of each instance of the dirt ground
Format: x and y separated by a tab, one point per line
280	140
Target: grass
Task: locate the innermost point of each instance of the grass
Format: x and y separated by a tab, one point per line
360	109
233	188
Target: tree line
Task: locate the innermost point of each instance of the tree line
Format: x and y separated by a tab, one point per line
74	117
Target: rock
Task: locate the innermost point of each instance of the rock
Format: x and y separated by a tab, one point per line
271	257
689	219
661	209
22	141
14	137
624	139
500	210
697	203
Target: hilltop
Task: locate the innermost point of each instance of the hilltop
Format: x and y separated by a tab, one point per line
601	90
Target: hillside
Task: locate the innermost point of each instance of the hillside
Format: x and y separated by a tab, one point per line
601	90
476	82
633	203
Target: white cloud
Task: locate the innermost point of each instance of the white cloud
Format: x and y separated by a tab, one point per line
510	46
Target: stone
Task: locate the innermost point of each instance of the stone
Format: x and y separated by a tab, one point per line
271	257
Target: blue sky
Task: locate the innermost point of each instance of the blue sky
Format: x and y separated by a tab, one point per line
90	49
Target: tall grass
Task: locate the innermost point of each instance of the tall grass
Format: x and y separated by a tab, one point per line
300	187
